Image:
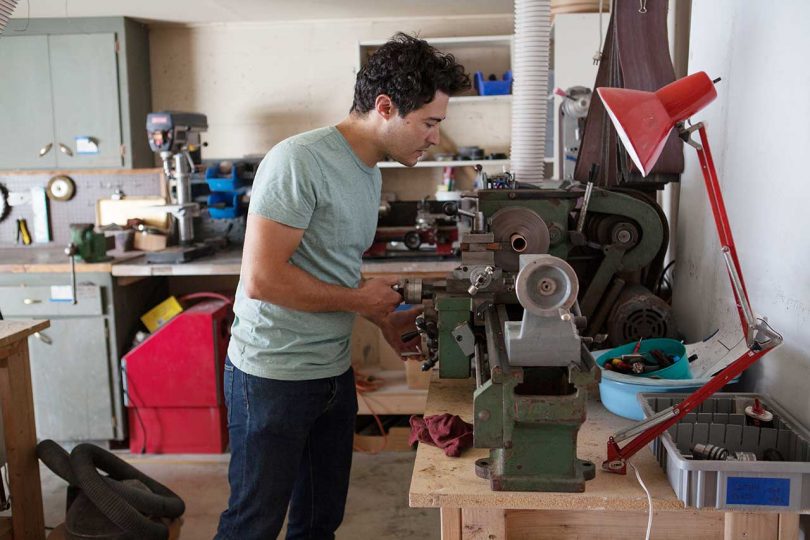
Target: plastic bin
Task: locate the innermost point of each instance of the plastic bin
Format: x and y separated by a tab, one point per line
230	199
758	486
618	392
486	87
678	370
228	182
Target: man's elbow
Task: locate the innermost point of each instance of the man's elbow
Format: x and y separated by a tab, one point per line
254	289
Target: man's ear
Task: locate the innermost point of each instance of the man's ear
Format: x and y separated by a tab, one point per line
384	106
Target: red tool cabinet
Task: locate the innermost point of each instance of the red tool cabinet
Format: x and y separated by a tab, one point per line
173	383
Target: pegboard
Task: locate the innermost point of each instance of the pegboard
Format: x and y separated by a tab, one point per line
90	186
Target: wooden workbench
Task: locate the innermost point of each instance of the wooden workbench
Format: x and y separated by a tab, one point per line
612	506
19	428
52	258
228	262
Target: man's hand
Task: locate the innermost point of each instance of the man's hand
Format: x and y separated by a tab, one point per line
376	298
398	323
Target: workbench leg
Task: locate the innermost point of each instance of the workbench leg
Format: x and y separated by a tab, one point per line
483	524
17	400
754	525
451	523
788	526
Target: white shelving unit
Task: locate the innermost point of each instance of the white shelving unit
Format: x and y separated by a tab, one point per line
472	119
481	99
442	164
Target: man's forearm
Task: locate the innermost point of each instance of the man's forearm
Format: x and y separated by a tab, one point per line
294	288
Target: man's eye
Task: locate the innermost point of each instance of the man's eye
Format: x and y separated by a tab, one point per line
428	124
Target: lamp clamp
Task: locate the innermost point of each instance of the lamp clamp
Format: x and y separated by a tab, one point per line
685	133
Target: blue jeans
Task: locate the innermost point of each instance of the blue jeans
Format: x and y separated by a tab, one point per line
291	445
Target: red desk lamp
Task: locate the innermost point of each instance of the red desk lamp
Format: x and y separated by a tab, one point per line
644	121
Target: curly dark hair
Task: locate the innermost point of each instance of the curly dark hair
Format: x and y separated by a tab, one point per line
409	71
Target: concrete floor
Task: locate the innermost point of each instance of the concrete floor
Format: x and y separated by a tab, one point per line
377	506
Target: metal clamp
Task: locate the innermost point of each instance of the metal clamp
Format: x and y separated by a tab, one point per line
43	338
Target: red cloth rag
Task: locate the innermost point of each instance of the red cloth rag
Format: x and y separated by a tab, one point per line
446	431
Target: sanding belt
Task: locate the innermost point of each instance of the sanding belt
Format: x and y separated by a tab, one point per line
636	56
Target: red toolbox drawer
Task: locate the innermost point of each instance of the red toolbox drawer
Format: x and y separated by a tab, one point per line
178	430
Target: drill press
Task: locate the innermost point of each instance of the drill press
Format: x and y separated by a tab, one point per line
175	136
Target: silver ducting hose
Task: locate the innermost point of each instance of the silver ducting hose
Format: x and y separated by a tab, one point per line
530	88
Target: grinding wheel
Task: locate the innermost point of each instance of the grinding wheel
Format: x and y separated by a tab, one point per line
546	285
61	188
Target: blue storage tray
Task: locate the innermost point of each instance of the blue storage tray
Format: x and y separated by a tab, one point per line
232	207
222	183
493	88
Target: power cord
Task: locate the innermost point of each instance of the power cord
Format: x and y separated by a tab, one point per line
134	407
649	501
362	385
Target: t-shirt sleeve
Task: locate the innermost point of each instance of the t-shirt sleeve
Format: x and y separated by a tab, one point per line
284	188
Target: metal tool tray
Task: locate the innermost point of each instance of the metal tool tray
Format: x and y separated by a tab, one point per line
762	486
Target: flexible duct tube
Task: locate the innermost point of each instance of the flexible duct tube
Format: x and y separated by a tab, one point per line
159	502
84	460
530	88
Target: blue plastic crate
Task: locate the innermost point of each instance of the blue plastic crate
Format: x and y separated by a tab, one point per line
486	87
232	208
232	182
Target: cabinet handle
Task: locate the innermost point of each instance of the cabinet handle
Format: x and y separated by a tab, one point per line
43	338
45	149
29	301
65	150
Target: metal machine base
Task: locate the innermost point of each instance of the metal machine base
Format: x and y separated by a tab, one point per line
489	468
179	254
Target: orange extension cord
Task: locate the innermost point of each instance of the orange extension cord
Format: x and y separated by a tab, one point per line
363	384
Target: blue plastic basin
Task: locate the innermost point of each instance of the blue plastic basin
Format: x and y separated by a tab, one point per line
619	397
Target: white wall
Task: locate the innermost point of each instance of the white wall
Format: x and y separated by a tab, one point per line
262	82
758	129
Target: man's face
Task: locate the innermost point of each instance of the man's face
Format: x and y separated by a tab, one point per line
407	138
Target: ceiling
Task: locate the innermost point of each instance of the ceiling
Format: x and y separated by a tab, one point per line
214	11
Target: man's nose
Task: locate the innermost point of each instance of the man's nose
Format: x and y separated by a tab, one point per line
434	137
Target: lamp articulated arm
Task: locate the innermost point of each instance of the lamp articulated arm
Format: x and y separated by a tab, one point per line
760	337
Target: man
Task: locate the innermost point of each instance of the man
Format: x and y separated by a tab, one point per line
289	386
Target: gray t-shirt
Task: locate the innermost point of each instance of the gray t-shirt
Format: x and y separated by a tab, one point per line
312	181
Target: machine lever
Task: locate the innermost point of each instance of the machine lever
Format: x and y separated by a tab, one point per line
407	336
71	251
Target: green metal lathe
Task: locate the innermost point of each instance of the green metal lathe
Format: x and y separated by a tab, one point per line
539	279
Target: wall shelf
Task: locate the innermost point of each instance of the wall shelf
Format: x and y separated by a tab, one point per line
441	164
482	99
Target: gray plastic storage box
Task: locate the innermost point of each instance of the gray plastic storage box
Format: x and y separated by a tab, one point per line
761	486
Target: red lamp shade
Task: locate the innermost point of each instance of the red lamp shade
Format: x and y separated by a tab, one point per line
644	119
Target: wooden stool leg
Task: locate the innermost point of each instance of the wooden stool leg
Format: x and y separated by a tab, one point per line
17	400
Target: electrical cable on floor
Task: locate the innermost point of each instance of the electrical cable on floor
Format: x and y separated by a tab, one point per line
363	384
7	505
134	407
649	501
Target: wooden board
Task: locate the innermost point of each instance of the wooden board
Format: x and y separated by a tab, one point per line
12	331
574	525
52	259
440	481
109	211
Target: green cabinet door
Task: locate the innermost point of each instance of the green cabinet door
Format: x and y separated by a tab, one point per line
84	81
71	380
26	109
